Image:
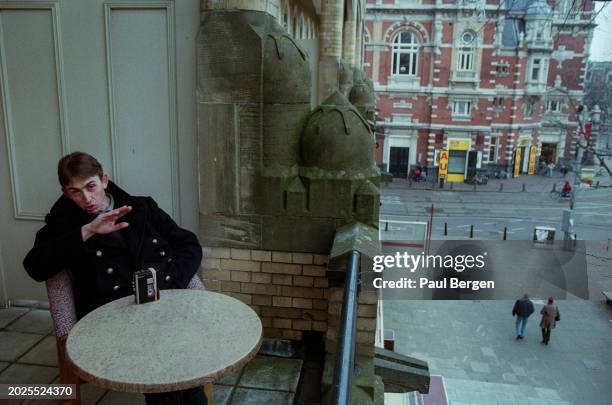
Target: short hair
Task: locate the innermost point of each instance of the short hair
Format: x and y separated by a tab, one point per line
551	300
78	164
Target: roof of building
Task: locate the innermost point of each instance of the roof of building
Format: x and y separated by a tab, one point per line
529	7
512	29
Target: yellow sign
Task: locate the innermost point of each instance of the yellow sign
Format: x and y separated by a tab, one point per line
443	165
532	160
517	162
458	145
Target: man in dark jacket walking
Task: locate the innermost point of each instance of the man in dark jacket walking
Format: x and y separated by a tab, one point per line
102	235
522	309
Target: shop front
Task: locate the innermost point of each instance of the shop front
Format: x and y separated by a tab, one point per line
457	159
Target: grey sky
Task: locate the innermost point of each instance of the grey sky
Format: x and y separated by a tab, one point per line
601	47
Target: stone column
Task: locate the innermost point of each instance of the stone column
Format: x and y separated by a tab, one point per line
348	43
330	46
330	28
359	46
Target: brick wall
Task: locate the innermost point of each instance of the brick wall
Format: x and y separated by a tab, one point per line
288	291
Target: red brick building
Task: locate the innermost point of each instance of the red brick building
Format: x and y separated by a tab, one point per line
492	83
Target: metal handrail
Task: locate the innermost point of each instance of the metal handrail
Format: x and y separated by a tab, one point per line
345	353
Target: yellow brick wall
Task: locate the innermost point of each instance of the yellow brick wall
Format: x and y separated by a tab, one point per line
288	291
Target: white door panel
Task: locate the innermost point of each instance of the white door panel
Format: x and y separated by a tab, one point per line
96	76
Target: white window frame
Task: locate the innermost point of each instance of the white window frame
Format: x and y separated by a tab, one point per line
527	109
494	146
542	70
553	106
536	64
466	53
411	49
464	112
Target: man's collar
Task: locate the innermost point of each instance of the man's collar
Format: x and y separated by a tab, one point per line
111	203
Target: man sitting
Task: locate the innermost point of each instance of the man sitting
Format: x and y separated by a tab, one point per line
102	235
566	191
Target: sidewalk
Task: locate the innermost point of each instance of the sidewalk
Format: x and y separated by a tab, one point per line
532	184
472	344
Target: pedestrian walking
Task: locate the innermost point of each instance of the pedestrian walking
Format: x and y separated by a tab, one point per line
550	316
523	308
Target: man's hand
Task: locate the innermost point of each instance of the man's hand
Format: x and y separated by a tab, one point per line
105	223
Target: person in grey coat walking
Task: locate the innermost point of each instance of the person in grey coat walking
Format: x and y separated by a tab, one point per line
550	316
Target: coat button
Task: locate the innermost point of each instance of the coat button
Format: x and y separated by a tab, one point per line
109	270
162	253
154	241
167	278
116	288
99	253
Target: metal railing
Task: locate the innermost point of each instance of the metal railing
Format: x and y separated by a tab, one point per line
345	353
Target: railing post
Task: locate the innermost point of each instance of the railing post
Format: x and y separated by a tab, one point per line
345	353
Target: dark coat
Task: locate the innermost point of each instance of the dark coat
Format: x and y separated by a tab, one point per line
102	267
523	308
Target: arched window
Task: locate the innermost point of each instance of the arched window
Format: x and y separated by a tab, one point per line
465	57
294	23
302	27
285	17
405	54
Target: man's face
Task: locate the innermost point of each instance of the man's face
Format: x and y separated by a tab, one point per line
87	192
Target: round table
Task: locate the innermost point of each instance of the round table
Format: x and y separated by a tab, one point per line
185	339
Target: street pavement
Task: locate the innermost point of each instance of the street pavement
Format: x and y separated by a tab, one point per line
490	210
472	344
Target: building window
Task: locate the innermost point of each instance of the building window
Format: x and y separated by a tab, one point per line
527	109
494	149
535	70
502	70
498	103
553	106
462	108
465	58
539	70
405	54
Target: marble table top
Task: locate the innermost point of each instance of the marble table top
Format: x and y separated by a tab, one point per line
184	340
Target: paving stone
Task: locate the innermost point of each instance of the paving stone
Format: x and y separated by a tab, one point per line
14	344
487	351
221	394
26	374
8	315
480	367
593	364
519	371
261	397
44	353
509	377
230	379
547	393
271	373
122	398
36	321
90	394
